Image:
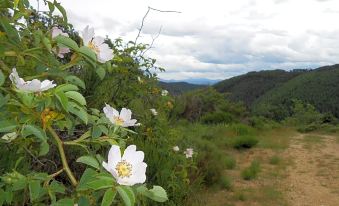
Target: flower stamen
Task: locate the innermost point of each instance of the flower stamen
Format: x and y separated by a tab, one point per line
124	169
94	47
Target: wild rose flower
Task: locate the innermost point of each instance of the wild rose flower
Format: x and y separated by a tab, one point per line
124	118
154	112
61	51
189	152
96	43
30	86
176	149
128	169
164	92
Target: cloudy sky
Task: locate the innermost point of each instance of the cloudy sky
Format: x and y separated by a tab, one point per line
218	39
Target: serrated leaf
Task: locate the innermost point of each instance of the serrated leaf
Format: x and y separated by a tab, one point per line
47	44
34	189
62	10
158	194
66	87
99	184
85	178
108	198
64	202
44	148
96	132
89	53
101	72
127	195
28	130
75	80
89	160
67	42
78	111
62	99
76	96
7	126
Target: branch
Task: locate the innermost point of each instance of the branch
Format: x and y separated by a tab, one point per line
143	19
63	156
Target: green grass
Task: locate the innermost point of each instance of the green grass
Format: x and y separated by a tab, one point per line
252	171
313	139
275	160
230	162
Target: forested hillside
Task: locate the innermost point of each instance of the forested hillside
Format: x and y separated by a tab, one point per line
319	87
176	88
249	87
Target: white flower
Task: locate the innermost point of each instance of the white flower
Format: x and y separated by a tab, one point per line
154	112
189	153
123	119
176	149
61	51
96	43
128	169
30	86
164	92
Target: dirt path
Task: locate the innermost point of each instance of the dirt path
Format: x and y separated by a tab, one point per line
313	179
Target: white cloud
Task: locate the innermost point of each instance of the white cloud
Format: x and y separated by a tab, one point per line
219	39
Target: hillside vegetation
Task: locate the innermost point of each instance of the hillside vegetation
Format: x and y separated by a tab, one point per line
249	87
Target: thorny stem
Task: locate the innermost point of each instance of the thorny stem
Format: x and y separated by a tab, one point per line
63	156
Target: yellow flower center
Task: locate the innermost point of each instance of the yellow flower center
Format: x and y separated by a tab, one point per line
94	47
118	121
124	169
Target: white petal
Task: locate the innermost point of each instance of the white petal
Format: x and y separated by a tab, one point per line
47	84
125	181
139	173
105	53
114	156
87	35
129	123
110	113
98	40
31	86
133	156
125	114
110	170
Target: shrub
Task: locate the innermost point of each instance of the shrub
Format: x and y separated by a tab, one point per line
217	117
226	182
244	142
230	162
252	171
242	129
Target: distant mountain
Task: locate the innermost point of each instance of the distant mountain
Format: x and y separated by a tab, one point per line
198	81
249	87
319	87
177	88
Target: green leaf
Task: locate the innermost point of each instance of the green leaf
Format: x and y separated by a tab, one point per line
85	178
96	132
101	72
127	195
44	148
47	44
67	42
28	130
10	31
89	160
34	189
62	99
2	78
64	202
66	87
75	80
101	183
158	194
3	100
76	96
61	9
108	198
89	53
78	111
7	126
57	187
51	6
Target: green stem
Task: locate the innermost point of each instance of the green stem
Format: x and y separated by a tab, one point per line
63	156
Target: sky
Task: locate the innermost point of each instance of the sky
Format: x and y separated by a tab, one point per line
219	39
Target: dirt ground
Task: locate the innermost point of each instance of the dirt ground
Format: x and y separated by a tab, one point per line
313	179
307	175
